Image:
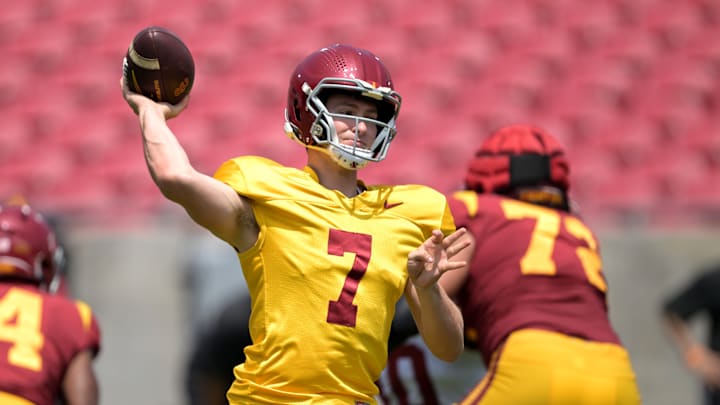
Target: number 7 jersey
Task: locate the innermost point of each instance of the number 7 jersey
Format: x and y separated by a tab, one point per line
324	277
534	267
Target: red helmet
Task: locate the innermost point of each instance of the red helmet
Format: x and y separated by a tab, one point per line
28	249
346	69
518	155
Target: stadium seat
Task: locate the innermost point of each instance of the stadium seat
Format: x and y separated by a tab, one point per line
675	22
701	137
508	23
630	195
591	24
698	47
14	137
591	84
35	168
679	87
700	195
628	142
634	50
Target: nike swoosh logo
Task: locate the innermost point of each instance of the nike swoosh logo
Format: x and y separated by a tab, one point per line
391	205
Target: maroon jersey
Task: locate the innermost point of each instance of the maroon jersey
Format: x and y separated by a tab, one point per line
40	334
534	267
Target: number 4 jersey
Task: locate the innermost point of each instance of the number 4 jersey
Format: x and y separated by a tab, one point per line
324	277
40	334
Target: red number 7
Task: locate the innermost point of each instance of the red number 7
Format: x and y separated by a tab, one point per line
343	311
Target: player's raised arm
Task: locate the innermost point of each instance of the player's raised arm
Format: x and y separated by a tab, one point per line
209	202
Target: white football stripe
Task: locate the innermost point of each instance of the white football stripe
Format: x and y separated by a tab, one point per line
143	62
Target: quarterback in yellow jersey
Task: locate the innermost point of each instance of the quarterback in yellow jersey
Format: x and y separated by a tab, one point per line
325	256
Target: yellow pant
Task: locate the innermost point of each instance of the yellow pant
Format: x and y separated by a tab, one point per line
537	367
10	399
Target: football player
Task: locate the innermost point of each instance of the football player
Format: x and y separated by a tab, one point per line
534	294
697	299
325	256
47	341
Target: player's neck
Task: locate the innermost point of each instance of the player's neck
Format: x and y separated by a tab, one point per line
333	177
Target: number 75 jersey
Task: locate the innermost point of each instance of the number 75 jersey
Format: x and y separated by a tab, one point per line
534	267
324	277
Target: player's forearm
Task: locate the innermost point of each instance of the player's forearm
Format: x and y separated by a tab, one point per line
165	157
440	323
678	331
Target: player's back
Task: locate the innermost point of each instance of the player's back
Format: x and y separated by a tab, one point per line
534	267
40	334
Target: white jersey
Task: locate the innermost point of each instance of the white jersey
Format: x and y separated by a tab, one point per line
414	376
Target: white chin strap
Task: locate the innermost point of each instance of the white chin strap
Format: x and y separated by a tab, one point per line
344	157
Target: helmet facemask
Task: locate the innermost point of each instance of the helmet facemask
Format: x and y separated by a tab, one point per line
323	131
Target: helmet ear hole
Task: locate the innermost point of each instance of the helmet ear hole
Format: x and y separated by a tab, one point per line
295	110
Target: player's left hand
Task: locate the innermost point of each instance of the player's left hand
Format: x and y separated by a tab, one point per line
433	258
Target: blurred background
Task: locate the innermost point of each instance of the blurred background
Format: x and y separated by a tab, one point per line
631	87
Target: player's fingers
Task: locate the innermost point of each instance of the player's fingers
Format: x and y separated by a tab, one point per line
436	238
458	247
419	256
454	237
182	104
449	266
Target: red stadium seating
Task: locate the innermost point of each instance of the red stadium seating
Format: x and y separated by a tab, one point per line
630	86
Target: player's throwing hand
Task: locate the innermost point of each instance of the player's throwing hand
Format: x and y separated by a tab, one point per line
138	102
429	261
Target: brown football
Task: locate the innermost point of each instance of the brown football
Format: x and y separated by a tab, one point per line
159	65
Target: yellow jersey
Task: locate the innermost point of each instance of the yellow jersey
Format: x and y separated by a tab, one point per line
324	277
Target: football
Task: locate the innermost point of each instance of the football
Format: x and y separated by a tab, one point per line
159	65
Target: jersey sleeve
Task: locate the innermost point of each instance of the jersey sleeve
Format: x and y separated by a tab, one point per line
89	333
464	206
230	173
258	178
427	207
238	173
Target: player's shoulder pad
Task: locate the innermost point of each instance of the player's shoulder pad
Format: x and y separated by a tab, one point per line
423	205
247	163
415	198
464	204
252	172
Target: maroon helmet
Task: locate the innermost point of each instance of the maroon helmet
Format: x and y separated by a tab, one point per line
341	69
517	156
28	249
